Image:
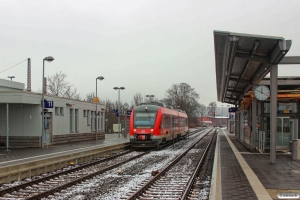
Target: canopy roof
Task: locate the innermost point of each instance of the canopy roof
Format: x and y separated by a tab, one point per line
243	60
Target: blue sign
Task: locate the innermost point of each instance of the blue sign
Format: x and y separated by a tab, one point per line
128	113
115	110
232	109
48	104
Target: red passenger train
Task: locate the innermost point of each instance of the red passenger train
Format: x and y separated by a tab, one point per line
154	123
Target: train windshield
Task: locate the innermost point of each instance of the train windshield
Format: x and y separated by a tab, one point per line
144	119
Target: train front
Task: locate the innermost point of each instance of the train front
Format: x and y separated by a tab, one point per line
144	126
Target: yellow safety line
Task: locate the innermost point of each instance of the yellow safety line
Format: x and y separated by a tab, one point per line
256	185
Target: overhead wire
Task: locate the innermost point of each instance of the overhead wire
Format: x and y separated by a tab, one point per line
14	65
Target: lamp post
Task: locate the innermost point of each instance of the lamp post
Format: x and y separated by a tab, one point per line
119	88
96	119
49	59
150	96
11	77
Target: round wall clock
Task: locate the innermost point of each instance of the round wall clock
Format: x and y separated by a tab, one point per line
262	92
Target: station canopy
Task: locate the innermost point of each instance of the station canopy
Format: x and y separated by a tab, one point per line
243	60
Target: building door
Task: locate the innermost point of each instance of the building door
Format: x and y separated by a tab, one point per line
283	135
48	128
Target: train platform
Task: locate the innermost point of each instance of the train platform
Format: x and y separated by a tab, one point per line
21	163
22	155
242	174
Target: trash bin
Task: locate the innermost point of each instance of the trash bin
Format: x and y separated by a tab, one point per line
296	149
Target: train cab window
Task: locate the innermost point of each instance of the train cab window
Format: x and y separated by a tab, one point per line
144	119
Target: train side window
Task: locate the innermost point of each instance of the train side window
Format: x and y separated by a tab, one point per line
166	121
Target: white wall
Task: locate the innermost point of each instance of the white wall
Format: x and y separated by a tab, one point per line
61	123
24	120
6	85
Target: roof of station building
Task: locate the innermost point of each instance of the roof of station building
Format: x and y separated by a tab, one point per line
243	60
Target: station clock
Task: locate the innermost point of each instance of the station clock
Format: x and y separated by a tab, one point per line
262	92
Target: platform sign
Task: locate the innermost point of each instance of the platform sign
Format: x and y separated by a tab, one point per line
115	110
116	128
96	99
128	113
48	104
126	105
232	109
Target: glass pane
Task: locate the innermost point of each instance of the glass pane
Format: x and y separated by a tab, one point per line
286	132
145	119
279	132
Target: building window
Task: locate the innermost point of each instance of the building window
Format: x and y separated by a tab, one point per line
84	113
88	117
61	111
56	110
71	120
92	121
76	120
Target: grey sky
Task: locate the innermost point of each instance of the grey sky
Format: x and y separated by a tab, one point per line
144	46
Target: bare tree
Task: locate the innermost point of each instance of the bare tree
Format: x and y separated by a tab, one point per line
136	100
183	96
72	93
202	109
90	97
58	86
211	109
112	117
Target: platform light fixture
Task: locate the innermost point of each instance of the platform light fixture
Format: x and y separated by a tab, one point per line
48	59
119	88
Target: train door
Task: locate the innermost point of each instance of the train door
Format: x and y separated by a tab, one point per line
48	128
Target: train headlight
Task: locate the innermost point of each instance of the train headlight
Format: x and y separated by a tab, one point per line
134	130
151	130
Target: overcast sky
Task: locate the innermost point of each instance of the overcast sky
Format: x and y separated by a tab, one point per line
144	46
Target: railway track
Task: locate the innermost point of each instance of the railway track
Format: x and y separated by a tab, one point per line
54	183
177	179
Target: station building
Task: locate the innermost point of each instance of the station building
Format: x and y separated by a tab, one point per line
66	120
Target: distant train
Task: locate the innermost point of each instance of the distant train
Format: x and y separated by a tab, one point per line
154	123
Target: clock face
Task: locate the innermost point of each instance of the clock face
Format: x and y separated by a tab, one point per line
262	92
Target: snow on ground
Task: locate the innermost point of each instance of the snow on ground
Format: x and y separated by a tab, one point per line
124	188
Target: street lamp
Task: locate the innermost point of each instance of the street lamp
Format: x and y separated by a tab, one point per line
49	59
11	77
119	88
96	119
150	96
